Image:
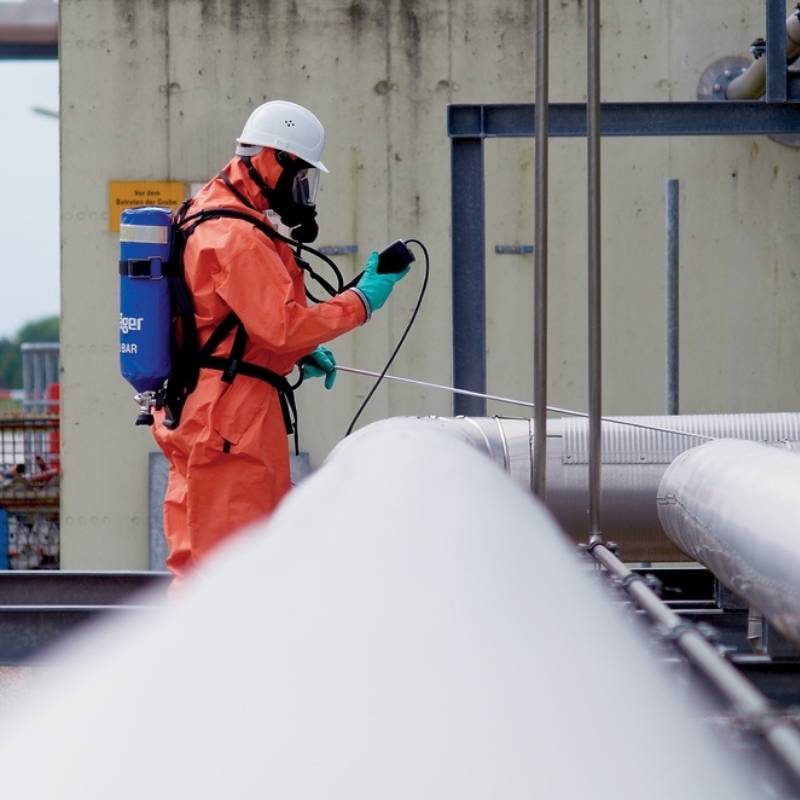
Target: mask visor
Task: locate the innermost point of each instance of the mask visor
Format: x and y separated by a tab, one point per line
306	186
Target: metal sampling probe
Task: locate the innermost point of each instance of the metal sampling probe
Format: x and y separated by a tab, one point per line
512	401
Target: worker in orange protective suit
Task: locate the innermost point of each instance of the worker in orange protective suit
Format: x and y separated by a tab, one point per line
228	456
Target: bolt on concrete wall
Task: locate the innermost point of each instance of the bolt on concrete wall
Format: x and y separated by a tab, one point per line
160	90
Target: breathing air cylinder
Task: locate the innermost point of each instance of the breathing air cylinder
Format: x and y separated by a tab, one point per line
144	308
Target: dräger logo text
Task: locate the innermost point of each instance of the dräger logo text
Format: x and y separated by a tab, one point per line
127	324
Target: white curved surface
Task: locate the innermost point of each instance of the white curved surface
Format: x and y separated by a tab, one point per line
409	625
734	506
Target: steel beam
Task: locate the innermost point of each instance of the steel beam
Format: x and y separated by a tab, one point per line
28	29
778	680
626	119
26	631
44	588
28	51
469	275
672	294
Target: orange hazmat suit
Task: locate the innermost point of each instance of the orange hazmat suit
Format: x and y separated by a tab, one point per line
229	457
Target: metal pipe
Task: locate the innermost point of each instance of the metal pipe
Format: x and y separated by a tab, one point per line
594	277
748	702
27	378
751	84
38	379
634	462
50	370
672	266
538	484
734	506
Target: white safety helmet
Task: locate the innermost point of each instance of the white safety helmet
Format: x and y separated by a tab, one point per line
286	126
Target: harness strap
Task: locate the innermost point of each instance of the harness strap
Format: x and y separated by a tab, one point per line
278	382
219	334
234	363
237	353
256	178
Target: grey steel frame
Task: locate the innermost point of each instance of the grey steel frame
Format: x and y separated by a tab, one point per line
41	607
469	125
28	30
541	205
776	51
594	265
32	51
672	275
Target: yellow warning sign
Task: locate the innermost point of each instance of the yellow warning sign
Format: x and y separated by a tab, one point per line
128	194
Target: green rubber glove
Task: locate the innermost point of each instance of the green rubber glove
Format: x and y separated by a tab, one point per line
318	363
376	287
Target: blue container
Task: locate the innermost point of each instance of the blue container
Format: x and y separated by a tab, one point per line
144	307
3	539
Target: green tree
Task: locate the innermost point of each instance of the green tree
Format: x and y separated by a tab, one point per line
10	364
40	330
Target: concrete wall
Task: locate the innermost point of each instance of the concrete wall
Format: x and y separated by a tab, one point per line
159	90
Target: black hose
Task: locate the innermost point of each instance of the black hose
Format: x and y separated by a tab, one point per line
402	339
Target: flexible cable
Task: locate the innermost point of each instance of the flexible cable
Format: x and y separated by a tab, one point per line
402	339
555	409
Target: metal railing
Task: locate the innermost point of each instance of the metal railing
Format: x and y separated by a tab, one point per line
29	491
40	369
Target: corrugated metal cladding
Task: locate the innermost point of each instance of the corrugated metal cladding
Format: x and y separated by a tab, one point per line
623	444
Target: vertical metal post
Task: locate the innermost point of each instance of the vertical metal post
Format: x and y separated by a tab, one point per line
540	251
50	368
776	51
3	539
594	276
672	266
27	377
38	378
469	274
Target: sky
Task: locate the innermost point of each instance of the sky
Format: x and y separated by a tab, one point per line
29	197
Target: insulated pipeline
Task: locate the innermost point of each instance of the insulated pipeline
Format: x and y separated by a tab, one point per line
636	453
733	506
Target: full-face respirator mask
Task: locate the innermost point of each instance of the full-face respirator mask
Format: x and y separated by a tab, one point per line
295	195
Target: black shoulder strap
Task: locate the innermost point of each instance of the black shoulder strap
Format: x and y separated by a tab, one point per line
189	223
236	358
219	334
229	213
